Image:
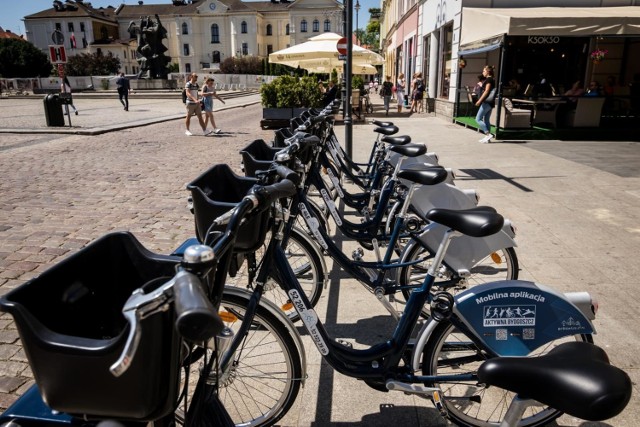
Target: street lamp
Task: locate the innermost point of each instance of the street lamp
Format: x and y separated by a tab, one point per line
357	8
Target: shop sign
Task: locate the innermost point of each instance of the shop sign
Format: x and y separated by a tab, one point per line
543	40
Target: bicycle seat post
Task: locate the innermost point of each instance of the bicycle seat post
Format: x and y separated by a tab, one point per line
442	250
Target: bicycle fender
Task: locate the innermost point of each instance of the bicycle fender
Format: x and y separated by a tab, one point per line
515	317
279	314
465	251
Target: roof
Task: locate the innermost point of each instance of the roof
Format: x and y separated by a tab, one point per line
77	9
548	21
9	35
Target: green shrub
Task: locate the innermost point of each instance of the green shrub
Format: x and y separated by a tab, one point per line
291	92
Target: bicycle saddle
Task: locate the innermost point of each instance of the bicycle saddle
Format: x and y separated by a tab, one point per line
380	123
430	176
387	130
575	378
475	222
397	140
409	150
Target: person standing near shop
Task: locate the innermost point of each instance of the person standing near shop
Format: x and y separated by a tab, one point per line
123	86
385	92
486	103
400	88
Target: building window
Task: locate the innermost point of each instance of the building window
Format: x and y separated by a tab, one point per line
187	68
126	69
269	30
327	26
215	33
245	48
316	26
58	26
185	28
216	57
269	49
286	29
445	60
125	54
82	27
70	26
303	26
243	27
185	49
104	33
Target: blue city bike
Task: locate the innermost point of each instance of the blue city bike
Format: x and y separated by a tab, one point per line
441	362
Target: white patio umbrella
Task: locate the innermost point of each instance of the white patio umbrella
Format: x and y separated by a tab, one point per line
320	54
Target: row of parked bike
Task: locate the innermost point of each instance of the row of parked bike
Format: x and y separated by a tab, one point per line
206	335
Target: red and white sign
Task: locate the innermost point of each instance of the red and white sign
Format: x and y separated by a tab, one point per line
57	54
342	46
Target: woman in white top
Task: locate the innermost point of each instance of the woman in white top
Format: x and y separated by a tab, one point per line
400	88
65	86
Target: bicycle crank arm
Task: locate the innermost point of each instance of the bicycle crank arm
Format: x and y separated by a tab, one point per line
433	392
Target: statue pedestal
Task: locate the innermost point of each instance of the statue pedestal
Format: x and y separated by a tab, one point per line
152	84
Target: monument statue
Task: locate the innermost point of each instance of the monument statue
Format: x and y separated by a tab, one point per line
150	52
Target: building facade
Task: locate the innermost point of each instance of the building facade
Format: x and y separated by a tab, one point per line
200	33
425	36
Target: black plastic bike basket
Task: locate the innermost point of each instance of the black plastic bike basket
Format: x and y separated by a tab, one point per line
72	330
256	156
217	191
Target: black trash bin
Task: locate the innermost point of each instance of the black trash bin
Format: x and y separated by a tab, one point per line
53	110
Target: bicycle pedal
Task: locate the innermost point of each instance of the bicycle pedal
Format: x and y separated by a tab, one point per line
344	343
413	388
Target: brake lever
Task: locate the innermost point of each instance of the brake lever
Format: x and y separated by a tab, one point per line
138	306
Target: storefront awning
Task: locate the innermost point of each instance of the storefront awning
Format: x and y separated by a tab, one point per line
547	21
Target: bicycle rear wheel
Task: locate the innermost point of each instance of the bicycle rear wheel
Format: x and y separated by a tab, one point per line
448	352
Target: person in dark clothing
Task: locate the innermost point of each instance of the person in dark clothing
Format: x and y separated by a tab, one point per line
122	83
330	94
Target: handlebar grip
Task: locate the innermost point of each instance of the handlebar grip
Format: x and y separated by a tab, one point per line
286	173
270	193
196	319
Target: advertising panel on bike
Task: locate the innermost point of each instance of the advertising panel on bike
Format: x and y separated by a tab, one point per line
514	318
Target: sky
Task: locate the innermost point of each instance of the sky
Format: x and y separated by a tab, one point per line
14	10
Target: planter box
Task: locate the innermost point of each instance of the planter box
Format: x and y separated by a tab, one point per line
277	113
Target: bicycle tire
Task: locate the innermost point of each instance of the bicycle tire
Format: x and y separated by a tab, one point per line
305	261
500	265
467	409
265	376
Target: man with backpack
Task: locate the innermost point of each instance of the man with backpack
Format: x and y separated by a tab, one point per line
192	102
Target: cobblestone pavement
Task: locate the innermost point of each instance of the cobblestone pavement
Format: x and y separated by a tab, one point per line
577	230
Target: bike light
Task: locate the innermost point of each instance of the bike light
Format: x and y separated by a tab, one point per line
228	317
496	258
287	306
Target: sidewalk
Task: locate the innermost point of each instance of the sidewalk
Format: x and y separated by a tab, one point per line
576	206
99	114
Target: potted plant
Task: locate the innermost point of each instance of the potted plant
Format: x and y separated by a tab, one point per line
285	94
598	55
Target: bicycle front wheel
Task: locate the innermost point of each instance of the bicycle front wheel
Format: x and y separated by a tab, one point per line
449	352
264	378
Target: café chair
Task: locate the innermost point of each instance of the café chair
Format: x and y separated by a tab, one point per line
587	113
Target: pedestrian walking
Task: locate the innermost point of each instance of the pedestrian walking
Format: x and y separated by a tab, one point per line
65	87
400	88
123	86
486	103
208	93
193	105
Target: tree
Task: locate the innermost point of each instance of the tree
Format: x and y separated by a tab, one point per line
241	65
92	64
19	58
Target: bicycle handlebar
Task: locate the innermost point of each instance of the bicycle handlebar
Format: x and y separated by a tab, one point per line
196	319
